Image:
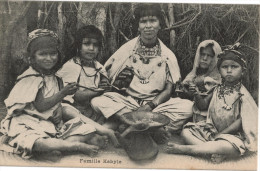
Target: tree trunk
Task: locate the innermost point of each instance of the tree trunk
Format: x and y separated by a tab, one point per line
61	26
171	22
114	21
10	19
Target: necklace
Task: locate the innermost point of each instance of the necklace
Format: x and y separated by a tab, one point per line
87	63
143	50
227	90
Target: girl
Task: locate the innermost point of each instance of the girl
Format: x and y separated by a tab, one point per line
204	74
34	123
85	70
231	125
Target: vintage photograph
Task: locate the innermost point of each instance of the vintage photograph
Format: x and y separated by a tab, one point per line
129	85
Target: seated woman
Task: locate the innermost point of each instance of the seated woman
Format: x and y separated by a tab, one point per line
35	120
85	70
204	75
231	125
155	70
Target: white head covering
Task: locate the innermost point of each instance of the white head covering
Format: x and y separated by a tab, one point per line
213	65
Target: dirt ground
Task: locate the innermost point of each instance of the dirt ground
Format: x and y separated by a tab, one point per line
117	158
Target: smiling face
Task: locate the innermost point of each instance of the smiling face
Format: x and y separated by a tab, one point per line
45	59
89	48
206	56
231	71
149	27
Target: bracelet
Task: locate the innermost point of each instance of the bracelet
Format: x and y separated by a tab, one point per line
151	104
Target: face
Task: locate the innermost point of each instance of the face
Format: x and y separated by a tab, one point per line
45	59
89	48
206	57
149	27
231	71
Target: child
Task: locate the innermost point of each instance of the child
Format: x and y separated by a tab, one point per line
85	70
204	74
34	123
231	125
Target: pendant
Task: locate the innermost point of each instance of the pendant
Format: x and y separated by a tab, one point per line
227	107
146	81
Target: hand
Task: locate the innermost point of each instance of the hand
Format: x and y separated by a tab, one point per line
144	108
125	73
124	78
69	89
57	116
104	84
193	89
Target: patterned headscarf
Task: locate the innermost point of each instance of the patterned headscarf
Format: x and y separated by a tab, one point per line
232	53
41	39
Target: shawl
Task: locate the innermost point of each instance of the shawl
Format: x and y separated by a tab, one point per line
117	62
212	71
249	116
24	91
22	96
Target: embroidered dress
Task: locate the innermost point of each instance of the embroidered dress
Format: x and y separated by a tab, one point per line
210	78
74	71
24	124
228	105
152	70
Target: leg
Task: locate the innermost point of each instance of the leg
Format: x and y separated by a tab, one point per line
53	144
178	110
71	112
210	147
92	138
114	121
189	138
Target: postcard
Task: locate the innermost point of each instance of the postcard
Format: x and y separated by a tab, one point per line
155	85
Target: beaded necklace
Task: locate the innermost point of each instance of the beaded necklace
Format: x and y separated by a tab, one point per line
146	52
227	90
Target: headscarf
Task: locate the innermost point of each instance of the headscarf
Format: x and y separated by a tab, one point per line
232	53
41	39
212	70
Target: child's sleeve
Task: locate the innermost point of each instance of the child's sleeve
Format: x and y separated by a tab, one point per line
69	72
23	92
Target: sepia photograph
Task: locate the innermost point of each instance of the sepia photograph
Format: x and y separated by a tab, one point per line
138	85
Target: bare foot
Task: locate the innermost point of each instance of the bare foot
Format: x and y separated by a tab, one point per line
90	150
100	141
217	158
173	148
161	136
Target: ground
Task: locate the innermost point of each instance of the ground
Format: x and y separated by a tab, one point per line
117	158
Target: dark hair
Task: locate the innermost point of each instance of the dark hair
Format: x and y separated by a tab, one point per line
148	9
89	31
210	45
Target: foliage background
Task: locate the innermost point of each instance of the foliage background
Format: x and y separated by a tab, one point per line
184	27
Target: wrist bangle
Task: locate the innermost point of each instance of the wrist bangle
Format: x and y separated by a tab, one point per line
151	104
